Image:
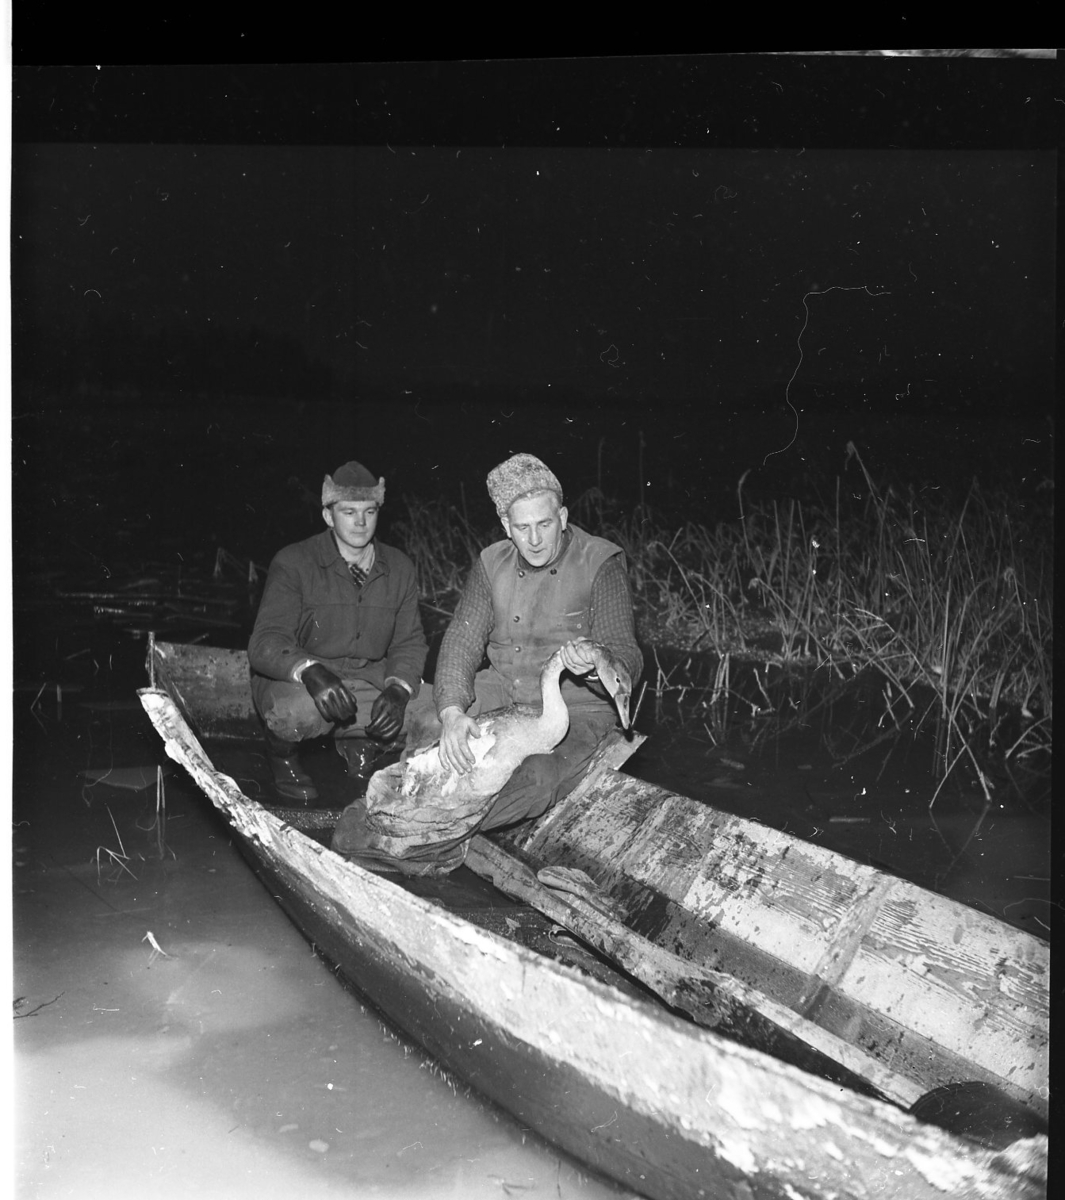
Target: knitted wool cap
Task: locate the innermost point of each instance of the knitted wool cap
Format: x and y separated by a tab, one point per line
352	482
519	476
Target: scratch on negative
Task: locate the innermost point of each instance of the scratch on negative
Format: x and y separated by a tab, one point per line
606	1123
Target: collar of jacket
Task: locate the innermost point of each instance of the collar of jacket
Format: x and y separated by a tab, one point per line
330	556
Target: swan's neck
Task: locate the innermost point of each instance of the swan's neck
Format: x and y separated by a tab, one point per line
554	707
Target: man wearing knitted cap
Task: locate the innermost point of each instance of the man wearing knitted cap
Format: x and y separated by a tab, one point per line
545	585
338	646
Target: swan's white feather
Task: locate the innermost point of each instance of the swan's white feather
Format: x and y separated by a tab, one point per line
514	734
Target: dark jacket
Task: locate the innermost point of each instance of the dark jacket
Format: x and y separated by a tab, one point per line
311	608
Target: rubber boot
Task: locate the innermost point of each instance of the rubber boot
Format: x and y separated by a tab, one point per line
364	756
360	755
291	782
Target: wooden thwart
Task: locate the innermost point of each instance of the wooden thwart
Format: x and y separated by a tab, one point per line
844	945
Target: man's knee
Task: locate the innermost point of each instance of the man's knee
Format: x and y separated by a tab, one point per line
290	727
421	724
528	793
542	780
288	711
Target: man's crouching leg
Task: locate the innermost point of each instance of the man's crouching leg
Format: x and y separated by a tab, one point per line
421	724
291	781
289	717
543	780
364	755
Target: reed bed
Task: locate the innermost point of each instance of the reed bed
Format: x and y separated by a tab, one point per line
947	597
443	545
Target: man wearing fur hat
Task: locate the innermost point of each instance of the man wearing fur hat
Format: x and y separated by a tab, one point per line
546	584
338	645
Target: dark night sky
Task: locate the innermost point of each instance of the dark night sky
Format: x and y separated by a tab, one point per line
183	236
619	253
675	273
616	253
655	272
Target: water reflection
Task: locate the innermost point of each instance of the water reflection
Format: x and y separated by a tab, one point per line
221	1056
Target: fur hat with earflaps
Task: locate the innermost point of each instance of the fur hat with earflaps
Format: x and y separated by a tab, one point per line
352	481
520	475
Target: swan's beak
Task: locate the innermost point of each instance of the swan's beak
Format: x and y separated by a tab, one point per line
619	685
621	698
616	680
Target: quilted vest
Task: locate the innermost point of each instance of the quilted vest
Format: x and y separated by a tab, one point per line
538	609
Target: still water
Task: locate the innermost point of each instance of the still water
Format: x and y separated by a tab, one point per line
178	1037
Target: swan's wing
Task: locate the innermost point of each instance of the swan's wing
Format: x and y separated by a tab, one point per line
423	771
425	776
499	718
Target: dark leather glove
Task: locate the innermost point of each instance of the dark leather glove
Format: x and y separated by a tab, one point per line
386	717
330	696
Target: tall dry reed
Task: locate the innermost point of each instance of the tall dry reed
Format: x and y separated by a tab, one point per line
942	597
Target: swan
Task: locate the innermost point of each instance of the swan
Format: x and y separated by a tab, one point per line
510	735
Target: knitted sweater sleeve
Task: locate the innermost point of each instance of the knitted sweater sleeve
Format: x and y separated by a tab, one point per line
463	647
613	624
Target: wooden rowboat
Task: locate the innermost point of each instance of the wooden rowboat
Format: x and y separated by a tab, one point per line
733	1012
